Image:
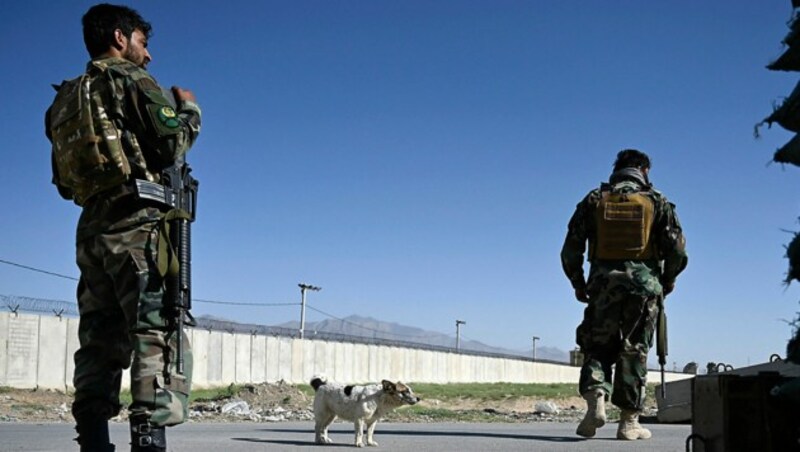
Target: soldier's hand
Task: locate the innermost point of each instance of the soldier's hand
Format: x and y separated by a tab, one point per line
183	94
581	295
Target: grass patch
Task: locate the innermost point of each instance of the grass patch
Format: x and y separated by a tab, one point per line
125	398
29	408
504	391
307	390
212	394
494	391
197	395
5	389
442	415
650	393
484	391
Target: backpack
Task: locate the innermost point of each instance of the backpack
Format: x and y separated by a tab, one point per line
87	144
624	223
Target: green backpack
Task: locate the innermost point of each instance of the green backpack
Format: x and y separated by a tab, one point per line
86	143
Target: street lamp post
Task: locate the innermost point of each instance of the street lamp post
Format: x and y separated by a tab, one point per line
535	338
303	288
458	333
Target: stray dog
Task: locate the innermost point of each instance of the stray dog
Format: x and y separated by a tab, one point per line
360	404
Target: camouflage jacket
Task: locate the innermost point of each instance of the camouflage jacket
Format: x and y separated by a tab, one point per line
643	277
151	142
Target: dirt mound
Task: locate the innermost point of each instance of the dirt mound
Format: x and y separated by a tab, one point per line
34	405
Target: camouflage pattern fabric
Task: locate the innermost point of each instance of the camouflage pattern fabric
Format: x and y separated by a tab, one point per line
619	320
617	329
120	301
154	135
120	293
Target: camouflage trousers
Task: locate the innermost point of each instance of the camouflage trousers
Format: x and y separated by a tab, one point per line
615	336
120	303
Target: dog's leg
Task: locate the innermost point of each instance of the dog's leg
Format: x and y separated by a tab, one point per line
370	432
326	424
321	428
359	425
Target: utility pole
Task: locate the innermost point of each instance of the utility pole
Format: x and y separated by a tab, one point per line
535	338
458	333
303	288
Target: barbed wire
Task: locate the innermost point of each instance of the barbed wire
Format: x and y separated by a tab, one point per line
58	307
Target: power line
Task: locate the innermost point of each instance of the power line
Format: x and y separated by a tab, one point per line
237	303
38	270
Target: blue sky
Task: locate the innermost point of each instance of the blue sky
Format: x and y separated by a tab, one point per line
419	160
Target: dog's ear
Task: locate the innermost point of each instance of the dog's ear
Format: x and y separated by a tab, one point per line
388	385
400	386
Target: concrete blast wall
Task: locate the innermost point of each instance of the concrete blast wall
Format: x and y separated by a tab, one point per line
36	351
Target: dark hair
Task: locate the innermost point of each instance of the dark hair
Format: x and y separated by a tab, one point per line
631	158
100	22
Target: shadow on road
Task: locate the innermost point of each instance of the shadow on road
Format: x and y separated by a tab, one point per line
287	442
454	433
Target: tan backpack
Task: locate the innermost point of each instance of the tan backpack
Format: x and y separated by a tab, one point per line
624	224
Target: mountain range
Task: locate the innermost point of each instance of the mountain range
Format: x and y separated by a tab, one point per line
355	325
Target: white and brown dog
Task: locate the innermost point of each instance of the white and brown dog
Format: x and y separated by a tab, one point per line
360	404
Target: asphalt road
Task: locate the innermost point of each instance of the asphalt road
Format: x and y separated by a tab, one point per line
299	436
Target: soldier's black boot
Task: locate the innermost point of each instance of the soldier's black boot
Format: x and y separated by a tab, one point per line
146	437
93	436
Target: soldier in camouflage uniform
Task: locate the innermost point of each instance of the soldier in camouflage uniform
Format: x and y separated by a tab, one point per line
133	131
636	251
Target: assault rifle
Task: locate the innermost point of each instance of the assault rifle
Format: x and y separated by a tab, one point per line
179	288
178	190
661	341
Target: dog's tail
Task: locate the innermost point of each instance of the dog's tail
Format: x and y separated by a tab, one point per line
318	381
